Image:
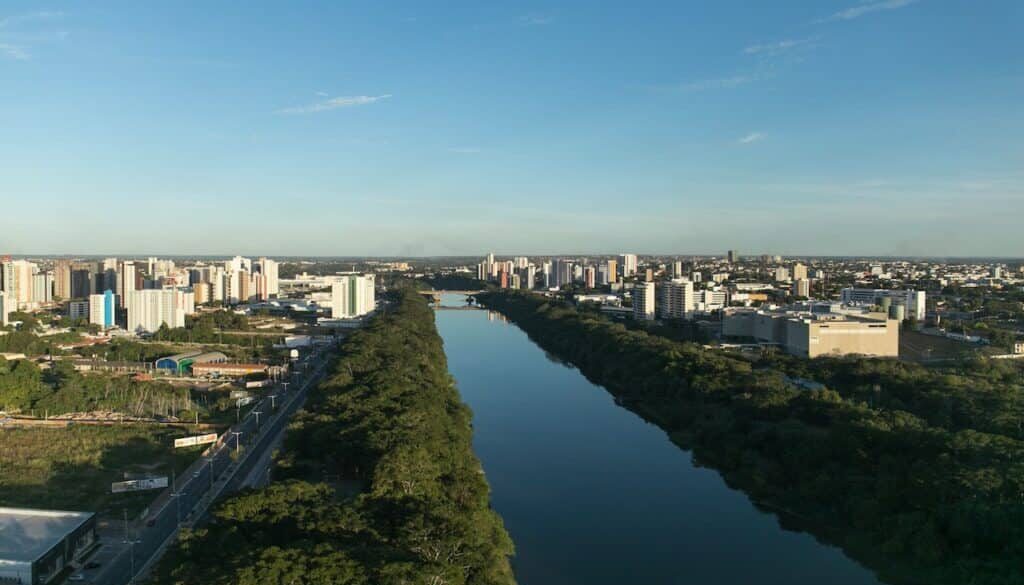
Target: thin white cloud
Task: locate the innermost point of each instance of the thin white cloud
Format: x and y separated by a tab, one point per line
752	138
29	17
322	94
14	52
774	48
867	8
538	19
718	83
16	42
335	103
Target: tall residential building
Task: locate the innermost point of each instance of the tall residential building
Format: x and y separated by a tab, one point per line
802	288
352	296
78	309
267	270
521	262
677	269
42	288
613	272
561	272
781	274
643	301
103	309
108	275
5	309
589	277
82	280
799	272
602	274
17	283
126	281
150	308
733	256
676	299
62	279
629	264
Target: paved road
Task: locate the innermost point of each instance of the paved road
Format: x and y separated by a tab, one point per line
126	554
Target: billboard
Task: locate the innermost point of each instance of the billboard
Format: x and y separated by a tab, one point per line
196	440
136	485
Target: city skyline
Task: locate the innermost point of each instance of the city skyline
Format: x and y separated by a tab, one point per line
882	128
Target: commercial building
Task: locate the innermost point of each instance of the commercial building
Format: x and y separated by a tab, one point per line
675	299
103	309
36	545
352	296
151	308
643	301
913	300
813	330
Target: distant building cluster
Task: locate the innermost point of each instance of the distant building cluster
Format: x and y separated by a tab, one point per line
138	296
808	307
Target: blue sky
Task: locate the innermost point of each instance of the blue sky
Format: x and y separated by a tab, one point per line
402	128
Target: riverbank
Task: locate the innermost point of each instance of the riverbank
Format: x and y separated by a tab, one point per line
917	502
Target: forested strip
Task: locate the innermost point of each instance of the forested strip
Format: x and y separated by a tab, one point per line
922	488
391	421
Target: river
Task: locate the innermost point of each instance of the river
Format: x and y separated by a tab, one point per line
594	495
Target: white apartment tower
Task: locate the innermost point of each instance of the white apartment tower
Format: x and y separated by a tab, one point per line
352	296
676	299
643	301
151	308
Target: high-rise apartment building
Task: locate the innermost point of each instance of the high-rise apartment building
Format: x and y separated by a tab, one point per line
676	299
589	277
5	309
103	309
801	288
352	296
781	274
643	301
150	308
561	272
62	279
17	283
733	256
613	271
629	264
268	286
799	271
42	288
677	269
126	281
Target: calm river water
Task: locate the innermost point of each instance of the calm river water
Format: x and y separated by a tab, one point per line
593	495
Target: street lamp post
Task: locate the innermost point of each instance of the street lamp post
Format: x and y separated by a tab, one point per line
237	434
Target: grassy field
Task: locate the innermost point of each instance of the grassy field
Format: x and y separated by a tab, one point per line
72	468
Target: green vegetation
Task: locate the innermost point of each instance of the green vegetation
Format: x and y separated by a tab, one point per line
390	420
72	468
26	388
210	328
917	472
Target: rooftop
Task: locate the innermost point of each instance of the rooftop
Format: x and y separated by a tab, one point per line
26	534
